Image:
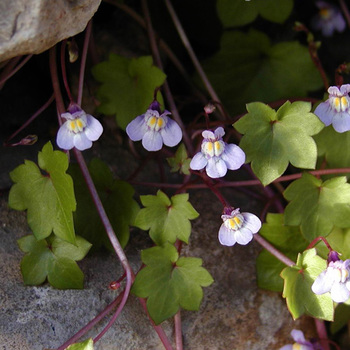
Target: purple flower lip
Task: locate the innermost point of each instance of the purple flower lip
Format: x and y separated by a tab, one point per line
79	129
216	156
154	129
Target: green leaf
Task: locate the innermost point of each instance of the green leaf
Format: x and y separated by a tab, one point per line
167	219
341	317
252	69
273	139
48	199
117	199
53	259
288	240
180	162
169	283
297	288
317	206
334	146
88	344
234	13
127	86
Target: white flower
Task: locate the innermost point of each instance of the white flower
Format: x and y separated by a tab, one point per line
79	130
216	156
238	227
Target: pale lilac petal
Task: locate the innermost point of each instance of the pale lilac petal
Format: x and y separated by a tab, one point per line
152	141
251	222
327	29
64	137
137	128
334	90
233	156
287	347
81	142
93	129
341	122
243	236
325	113
216	167
339	23
67	116
345	89
208	135
339	292
219	132
172	133
198	162
322	284
297	335
226	236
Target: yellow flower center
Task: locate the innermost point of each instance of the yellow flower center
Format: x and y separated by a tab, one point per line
325	13
155	123
212	149
76	125
340	103
234	223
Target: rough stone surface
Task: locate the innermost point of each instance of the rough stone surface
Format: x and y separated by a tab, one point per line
33	26
234	314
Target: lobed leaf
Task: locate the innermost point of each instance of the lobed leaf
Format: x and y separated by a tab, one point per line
234	13
253	69
48	199
273	139
127	86
88	344
53	259
318	206
169	283
167	219
297	288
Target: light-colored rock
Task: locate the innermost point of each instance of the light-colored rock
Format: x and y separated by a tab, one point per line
33	26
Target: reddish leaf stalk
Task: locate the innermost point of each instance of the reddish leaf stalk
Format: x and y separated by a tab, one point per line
322	333
64	73
345	11
178	332
15	70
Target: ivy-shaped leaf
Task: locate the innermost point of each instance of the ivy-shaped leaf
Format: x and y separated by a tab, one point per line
53	259
117	199
252	69
234	13
288	240
273	139
127	86
180	162
49	199
297	288
167	219
318	206
88	344
334	146
169	282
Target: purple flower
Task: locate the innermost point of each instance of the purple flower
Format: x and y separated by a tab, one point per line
154	129
300	342
335	279
79	130
328	19
216	155
336	110
238	227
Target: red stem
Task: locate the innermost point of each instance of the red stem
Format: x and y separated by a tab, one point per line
63	68
178	331
14	71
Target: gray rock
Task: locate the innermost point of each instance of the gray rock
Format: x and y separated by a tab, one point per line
33	26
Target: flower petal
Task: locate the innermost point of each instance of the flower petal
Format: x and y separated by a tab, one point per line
198	162
325	113
339	292
65	137
322	284
81	142
216	167
226	236
208	135
233	156
137	128
297	335
251	222
172	133
93	129
341	122
152	141
243	236
219	132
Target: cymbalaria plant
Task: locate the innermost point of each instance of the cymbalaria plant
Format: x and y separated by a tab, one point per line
255	105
